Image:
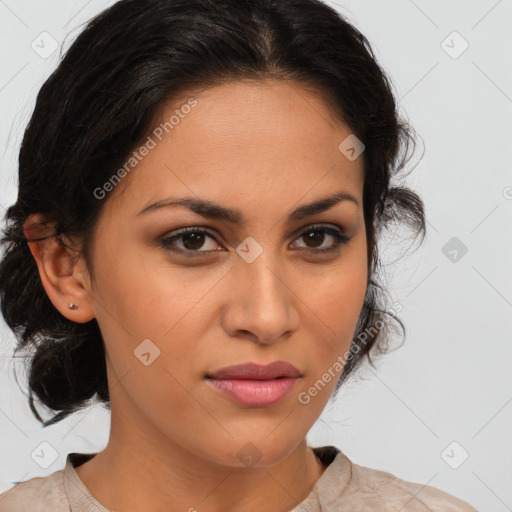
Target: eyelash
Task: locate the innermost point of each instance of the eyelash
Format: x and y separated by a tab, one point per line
340	239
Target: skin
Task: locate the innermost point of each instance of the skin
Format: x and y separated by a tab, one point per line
263	148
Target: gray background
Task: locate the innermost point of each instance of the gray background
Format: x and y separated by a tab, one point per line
451	380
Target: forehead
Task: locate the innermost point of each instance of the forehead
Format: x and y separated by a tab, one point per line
257	140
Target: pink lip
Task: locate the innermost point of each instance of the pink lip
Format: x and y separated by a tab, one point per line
253	385
256	371
255	393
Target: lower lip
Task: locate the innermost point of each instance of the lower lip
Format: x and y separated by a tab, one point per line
255	393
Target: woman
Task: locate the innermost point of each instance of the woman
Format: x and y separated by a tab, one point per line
194	244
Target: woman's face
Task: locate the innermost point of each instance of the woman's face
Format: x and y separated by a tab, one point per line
256	290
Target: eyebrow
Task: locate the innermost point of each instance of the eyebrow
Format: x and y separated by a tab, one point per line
212	210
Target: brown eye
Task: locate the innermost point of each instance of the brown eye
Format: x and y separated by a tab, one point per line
315	236
192	239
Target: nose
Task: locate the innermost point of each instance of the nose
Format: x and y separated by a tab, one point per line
262	305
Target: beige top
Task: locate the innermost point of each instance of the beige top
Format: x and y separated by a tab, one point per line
343	486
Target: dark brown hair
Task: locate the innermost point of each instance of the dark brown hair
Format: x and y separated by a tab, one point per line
99	104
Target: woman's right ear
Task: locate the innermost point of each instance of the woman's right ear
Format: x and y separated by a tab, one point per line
60	270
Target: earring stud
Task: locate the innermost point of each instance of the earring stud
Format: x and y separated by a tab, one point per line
72	306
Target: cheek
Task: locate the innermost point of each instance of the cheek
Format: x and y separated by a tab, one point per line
334	303
151	324
337	295
144	298
139	290
333	325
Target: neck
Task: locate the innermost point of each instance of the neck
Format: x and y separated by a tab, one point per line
137	471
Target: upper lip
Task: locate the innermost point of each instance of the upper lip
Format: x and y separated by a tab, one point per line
257	372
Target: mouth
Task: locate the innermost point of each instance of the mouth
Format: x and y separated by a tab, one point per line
253	385
253	371
254	393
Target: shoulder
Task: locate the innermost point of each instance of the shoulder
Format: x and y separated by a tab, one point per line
389	493
39	494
